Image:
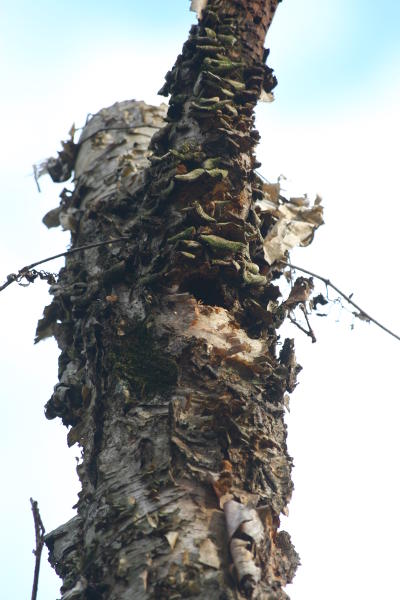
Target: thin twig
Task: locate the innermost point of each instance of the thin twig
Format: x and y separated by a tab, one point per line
12	277
328	283
262	177
22	272
36	177
291	278
39	539
309	332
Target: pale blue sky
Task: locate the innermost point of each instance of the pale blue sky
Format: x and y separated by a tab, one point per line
334	127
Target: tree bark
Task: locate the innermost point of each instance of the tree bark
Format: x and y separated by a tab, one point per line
170	379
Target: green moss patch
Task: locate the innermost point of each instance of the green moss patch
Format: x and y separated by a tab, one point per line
139	359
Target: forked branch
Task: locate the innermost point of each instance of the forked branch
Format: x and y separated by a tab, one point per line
361	313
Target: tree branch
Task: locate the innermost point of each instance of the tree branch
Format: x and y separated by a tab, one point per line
39	538
311	333
308	332
25	270
362	314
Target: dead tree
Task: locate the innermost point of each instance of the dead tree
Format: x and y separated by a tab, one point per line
171	379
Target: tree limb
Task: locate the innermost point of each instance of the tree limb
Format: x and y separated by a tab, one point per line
308	332
362	314
25	270
12	277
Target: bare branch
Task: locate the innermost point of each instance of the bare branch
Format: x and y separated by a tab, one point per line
26	270
308	332
39	539
311	333
361	313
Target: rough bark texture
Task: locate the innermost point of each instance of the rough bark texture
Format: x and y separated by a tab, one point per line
170	379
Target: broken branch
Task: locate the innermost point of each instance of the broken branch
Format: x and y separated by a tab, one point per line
308	332
39	539
362	314
25	270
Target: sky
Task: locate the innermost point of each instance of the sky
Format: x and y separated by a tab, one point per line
333	129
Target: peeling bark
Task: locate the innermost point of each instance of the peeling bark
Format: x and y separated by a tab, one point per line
170	380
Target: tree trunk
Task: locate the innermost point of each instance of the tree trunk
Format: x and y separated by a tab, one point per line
169	376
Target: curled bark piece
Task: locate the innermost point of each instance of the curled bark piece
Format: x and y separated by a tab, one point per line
239	517
245	532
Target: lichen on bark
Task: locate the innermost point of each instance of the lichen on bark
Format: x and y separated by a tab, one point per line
170	377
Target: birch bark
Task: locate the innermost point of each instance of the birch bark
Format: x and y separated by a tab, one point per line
170	377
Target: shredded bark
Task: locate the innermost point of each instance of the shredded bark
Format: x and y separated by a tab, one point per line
170	375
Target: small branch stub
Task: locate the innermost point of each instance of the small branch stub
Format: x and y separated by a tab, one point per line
39	541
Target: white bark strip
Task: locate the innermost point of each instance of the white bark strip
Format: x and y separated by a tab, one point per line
198	6
243	522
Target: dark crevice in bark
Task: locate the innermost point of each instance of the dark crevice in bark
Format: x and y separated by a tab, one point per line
206	290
